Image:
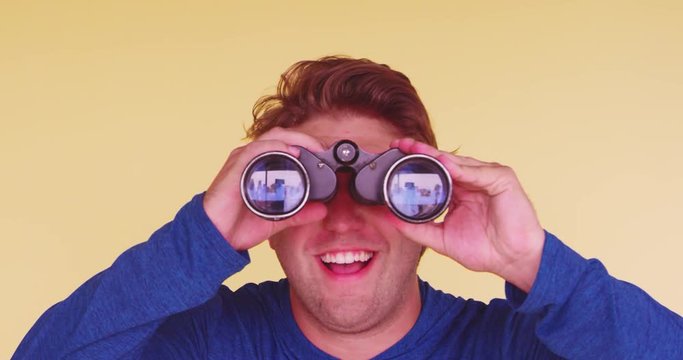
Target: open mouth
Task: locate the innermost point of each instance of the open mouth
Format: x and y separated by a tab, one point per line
346	262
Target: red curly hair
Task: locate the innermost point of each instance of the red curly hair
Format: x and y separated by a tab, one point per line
337	83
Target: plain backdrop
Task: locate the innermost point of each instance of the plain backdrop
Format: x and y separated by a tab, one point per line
115	113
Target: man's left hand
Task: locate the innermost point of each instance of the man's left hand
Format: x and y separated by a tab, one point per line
490	226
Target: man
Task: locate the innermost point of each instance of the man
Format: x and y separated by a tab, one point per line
352	290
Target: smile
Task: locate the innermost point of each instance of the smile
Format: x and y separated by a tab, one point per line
346	262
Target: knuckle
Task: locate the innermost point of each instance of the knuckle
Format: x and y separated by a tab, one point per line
508	172
272	133
236	151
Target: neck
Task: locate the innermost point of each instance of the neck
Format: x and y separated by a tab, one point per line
364	344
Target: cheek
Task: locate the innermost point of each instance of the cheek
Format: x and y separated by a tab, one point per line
377	216
406	247
289	247
384	222
290	240
282	245
274	242
381	219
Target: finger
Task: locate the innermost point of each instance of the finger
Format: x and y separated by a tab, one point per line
402	144
311	212
227	180
490	179
412	146
462	169
466	160
251	229
241	156
292	137
397	142
426	234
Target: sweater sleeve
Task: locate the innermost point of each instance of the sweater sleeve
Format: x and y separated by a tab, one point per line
585	313
115	313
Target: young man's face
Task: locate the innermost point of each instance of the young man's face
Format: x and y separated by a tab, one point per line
332	282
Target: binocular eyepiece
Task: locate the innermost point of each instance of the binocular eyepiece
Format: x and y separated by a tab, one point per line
416	188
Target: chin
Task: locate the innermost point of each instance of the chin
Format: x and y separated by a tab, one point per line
350	316
351	312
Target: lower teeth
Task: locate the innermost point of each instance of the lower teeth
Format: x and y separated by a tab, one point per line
347	268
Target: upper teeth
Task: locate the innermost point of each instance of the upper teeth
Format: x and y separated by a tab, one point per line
346	257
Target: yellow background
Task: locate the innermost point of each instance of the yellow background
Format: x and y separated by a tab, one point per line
113	114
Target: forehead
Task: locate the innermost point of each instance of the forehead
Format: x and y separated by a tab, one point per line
370	133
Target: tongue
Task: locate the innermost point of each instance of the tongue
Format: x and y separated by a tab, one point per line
346	268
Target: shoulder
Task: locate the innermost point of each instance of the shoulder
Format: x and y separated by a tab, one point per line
471	326
494	316
264	297
231	321
436	299
450	326
249	301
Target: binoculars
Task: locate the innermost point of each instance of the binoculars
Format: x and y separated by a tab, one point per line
416	188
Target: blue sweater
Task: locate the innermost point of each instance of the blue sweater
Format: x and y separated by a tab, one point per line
164	299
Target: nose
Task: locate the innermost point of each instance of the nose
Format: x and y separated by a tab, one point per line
343	213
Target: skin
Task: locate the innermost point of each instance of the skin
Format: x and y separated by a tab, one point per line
491	226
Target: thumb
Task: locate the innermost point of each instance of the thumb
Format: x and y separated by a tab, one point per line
311	212
426	234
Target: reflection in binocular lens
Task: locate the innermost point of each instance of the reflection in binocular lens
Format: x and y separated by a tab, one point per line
275	185
418	189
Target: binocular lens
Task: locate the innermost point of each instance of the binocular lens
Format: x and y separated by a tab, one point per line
417	188
275	185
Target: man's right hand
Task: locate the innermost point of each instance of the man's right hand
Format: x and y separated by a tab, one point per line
223	203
